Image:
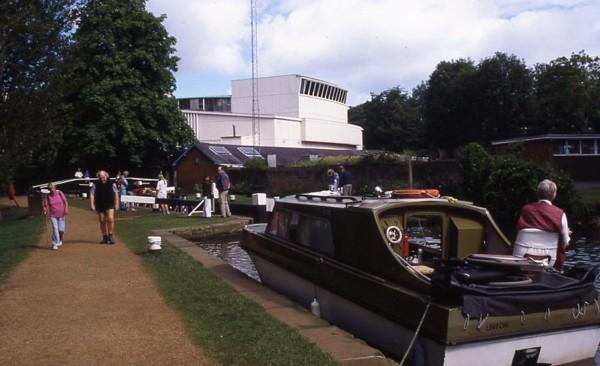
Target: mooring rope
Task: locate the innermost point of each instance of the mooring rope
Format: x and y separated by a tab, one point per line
414	338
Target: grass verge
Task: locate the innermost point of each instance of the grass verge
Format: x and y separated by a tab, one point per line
20	233
230	328
590	196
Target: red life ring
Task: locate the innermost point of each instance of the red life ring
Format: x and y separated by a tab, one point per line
415	193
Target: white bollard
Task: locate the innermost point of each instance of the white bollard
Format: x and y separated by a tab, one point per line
154	243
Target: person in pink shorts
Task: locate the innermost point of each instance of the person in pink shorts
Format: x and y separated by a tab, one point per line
56	207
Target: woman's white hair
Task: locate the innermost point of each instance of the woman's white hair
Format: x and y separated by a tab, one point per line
546	190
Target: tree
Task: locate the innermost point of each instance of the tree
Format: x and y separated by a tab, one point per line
504	86
567	92
33	38
391	121
123	111
449	105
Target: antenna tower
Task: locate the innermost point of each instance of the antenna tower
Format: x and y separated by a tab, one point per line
255	107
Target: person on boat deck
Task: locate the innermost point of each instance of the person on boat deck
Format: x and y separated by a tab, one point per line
334	180
345	181
543	215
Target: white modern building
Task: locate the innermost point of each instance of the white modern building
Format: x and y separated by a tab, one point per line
293	111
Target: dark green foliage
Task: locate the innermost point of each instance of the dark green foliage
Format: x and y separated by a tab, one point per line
568	94
498	98
476	165
391	121
33	39
505	183
448	106
256	164
503	97
121	72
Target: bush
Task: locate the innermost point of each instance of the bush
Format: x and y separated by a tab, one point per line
504	184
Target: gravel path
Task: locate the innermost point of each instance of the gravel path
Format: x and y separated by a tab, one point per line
88	304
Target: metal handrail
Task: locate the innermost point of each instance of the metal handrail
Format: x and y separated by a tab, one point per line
328	199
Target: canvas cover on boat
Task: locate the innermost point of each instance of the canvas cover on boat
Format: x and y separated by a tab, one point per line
483	292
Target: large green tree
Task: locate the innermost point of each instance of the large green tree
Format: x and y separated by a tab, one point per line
123	112
503	97
448	105
568	94
34	35
391	120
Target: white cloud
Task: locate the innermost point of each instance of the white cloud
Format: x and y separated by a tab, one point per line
373	45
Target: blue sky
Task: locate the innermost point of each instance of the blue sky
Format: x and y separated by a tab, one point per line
367	45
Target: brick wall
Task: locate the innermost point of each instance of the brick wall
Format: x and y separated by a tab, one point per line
192	169
444	175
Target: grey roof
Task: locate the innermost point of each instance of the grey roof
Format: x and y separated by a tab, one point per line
285	156
548	136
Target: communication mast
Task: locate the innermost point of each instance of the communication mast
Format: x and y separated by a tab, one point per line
255	106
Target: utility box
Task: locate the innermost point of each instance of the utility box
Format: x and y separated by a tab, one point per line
259	199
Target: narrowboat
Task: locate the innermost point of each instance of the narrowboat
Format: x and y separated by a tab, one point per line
430	280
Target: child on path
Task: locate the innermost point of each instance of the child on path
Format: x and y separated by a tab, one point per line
56	208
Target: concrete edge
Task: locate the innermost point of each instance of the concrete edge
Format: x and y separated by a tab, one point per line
341	345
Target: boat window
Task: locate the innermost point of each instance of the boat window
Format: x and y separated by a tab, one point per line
425	230
309	231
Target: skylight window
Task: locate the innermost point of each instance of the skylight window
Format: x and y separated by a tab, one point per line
249	152
219	150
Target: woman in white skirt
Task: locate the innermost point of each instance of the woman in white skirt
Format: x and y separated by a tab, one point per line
161	192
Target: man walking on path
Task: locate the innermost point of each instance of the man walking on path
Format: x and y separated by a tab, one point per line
104	199
56	208
223	185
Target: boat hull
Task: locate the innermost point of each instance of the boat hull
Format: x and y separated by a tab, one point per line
394	338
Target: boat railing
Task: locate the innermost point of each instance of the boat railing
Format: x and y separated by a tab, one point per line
348	200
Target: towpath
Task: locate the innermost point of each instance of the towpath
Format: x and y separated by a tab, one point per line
88	304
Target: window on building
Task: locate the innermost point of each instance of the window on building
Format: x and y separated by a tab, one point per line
249	152
328	92
219	150
576	147
336	95
344	97
588	147
302	84
320	90
313	87
184	103
559	147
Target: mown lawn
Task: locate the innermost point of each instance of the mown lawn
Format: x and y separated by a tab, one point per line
230	328
19	234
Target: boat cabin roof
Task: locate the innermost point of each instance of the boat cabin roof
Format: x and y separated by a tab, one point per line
374	203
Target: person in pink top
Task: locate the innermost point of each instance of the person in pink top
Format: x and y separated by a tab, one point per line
56	207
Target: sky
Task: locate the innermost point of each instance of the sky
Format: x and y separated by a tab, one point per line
366	46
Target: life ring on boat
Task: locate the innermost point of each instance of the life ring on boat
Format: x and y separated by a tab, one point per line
415	193
393	234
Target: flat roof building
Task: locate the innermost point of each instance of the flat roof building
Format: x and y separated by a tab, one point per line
293	111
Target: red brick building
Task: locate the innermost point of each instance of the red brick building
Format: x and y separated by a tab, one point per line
576	154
